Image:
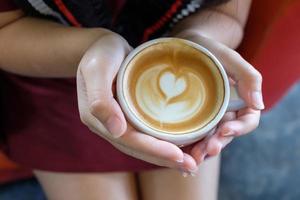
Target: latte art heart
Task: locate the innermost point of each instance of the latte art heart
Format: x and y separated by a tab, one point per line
170	85
169	99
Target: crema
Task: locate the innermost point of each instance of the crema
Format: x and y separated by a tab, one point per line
173	88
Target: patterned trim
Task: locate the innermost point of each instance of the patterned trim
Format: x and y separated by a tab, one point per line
190	8
162	21
44	9
171	17
66	12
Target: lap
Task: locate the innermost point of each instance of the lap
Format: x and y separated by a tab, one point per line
88	186
168	184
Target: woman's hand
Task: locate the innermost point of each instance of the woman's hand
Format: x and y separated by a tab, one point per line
249	83
100	111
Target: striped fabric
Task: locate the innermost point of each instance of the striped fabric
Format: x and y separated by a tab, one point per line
44	9
173	16
187	10
137	21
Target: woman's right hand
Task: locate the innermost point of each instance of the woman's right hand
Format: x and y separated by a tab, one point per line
100	111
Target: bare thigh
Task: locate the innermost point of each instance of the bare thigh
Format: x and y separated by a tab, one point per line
88	186
167	184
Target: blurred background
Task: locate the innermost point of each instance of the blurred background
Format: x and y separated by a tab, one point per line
263	165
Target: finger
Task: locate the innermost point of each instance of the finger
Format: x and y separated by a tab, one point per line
247	120
99	67
216	143
189	164
219	140
225	140
152	146
147	158
248	79
198	152
211	146
227	117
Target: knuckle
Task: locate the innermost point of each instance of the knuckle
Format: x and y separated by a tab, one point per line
249	71
255	76
259	77
106	33
88	65
118	40
237	133
234	55
240	132
222	49
97	106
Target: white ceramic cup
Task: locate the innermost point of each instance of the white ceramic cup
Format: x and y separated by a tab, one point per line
231	101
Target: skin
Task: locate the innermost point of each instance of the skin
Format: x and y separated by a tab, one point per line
205	28
94	56
166	184
90	186
221	31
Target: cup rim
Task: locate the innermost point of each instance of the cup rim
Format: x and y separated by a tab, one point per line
140	125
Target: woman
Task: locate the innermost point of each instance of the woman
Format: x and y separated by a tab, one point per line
41	124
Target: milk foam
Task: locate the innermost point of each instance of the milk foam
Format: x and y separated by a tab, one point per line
172	87
169	97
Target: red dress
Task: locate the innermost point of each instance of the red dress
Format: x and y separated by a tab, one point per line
40	116
44	131
42	125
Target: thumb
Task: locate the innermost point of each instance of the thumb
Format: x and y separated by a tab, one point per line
98	68
248	79
108	112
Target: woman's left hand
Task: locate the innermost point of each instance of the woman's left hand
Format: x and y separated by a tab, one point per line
249	83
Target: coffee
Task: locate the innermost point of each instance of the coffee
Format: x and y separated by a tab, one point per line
173	87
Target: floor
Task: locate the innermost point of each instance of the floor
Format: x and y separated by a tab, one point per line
261	166
265	165
22	190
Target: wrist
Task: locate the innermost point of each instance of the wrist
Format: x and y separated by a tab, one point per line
194	36
108	50
108	45
213	25
203	37
110	40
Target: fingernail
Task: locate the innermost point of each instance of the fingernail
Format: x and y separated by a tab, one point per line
179	161
113	125
188	173
184	174
228	133
257	100
193	174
